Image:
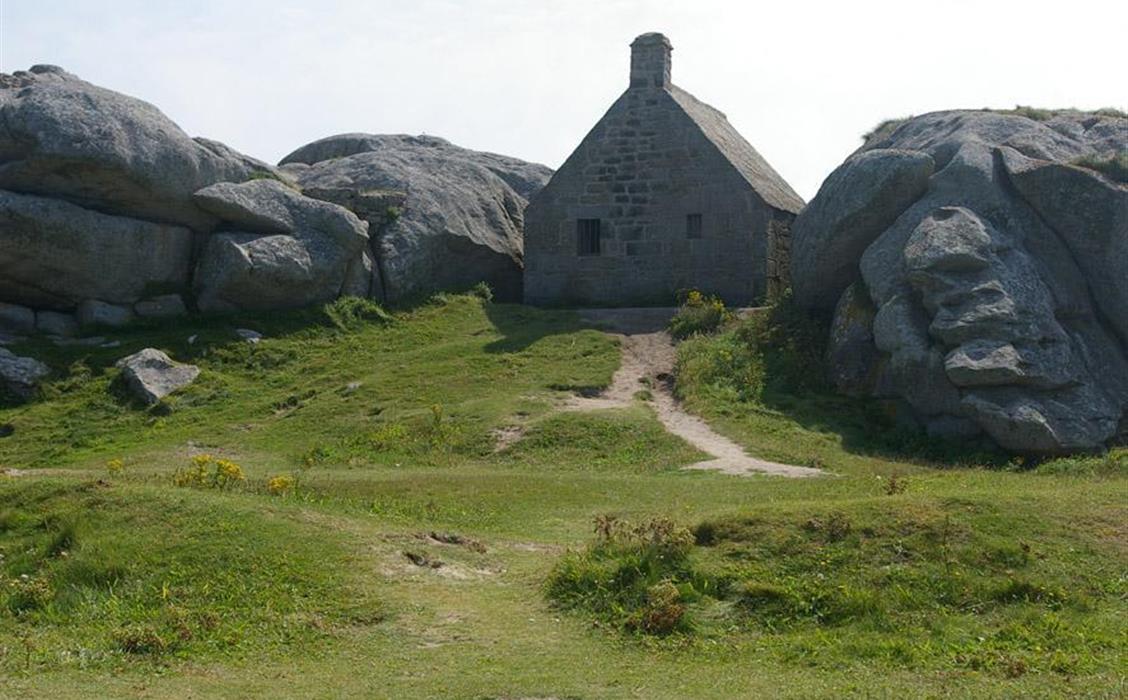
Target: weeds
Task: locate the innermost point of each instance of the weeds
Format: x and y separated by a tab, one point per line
281	485
140	639
1114	166
206	471
894	485
634	576
846	573
350	313
483	291
1114	463
698	314
28	593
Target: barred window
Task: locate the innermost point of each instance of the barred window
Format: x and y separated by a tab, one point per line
587	237
693	226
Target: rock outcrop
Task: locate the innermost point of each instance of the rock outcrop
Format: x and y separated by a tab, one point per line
152	375
108	211
279	249
978	276
21	375
440	217
55	255
65	138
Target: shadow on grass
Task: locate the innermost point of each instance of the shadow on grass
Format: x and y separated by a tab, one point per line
789	347
522	326
880	429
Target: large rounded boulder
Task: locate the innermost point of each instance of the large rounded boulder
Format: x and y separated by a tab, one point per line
107	208
278	249
973	262
65	138
440	217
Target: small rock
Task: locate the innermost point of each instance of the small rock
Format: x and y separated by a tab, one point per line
351	388
16	318
98	313
152	375
111	344
21	375
55	323
248	335
10	338
192	339
164	306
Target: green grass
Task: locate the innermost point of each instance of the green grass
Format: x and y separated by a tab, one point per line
761	381
914	581
698	314
1114	166
108	575
912	572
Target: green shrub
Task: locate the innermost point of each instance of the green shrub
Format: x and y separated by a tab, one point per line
793	344
1114	463
636	577
350	313
782	349
140	639
662	613
1034	113
27	593
722	364
884	129
483	291
698	314
206	471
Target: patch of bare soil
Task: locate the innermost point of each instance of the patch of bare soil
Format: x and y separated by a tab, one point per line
456	540
505	436
22	473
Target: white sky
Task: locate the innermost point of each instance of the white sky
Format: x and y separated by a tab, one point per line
801	80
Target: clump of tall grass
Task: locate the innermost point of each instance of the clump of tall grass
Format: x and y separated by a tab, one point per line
698	314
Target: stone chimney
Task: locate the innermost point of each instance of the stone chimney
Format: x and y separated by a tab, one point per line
650	61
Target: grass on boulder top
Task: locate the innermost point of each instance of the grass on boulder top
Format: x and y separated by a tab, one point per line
94	573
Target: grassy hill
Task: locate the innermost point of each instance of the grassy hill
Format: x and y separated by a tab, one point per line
379	544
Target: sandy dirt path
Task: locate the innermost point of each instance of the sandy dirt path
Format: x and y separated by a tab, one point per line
648	363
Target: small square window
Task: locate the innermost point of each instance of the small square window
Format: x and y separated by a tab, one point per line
587	237
693	226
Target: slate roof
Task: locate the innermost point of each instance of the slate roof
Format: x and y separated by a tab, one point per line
767	183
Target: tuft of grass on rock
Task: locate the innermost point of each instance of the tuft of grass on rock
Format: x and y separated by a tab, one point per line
1113	166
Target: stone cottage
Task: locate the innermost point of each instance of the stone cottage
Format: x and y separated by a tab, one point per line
663	195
